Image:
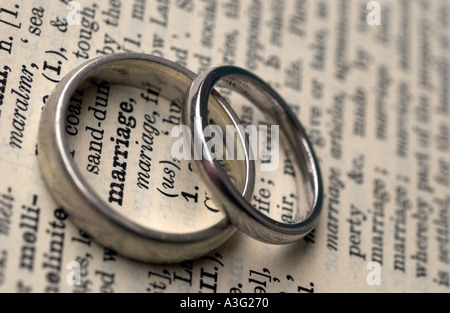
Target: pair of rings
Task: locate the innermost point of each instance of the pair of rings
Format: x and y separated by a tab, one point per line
116	231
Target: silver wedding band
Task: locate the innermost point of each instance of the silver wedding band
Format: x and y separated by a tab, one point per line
71	190
239	210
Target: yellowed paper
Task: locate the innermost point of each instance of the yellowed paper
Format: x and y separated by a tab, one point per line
367	79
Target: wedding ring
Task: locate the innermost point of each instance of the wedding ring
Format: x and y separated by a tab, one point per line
86	208
240	211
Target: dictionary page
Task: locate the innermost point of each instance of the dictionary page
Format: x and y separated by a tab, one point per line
368	80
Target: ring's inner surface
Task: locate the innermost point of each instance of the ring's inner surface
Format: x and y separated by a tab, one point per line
285	193
118	128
